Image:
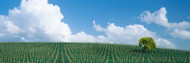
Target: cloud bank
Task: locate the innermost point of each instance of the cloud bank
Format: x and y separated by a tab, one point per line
178	30
130	34
37	20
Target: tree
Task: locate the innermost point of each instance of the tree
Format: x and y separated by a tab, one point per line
147	43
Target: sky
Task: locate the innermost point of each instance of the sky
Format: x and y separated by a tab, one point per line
96	21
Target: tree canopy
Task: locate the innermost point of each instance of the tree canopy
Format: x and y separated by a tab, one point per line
147	43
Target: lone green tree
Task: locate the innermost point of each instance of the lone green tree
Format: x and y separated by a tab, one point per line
147	43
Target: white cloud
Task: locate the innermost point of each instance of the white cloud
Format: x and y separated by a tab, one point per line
23	38
37	20
7	26
97	27
2	34
131	34
181	34
159	17
81	37
164	43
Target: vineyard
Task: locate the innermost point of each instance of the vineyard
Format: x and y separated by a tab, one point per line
87	53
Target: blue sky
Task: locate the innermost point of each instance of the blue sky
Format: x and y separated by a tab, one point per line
79	15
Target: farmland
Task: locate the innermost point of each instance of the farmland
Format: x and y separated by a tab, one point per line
87	53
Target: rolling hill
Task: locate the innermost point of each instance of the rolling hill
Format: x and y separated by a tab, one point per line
87	53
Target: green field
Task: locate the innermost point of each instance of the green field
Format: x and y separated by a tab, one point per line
87	53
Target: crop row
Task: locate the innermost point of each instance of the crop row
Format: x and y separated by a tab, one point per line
87	53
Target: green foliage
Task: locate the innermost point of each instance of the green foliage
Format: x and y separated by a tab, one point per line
87	53
147	43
